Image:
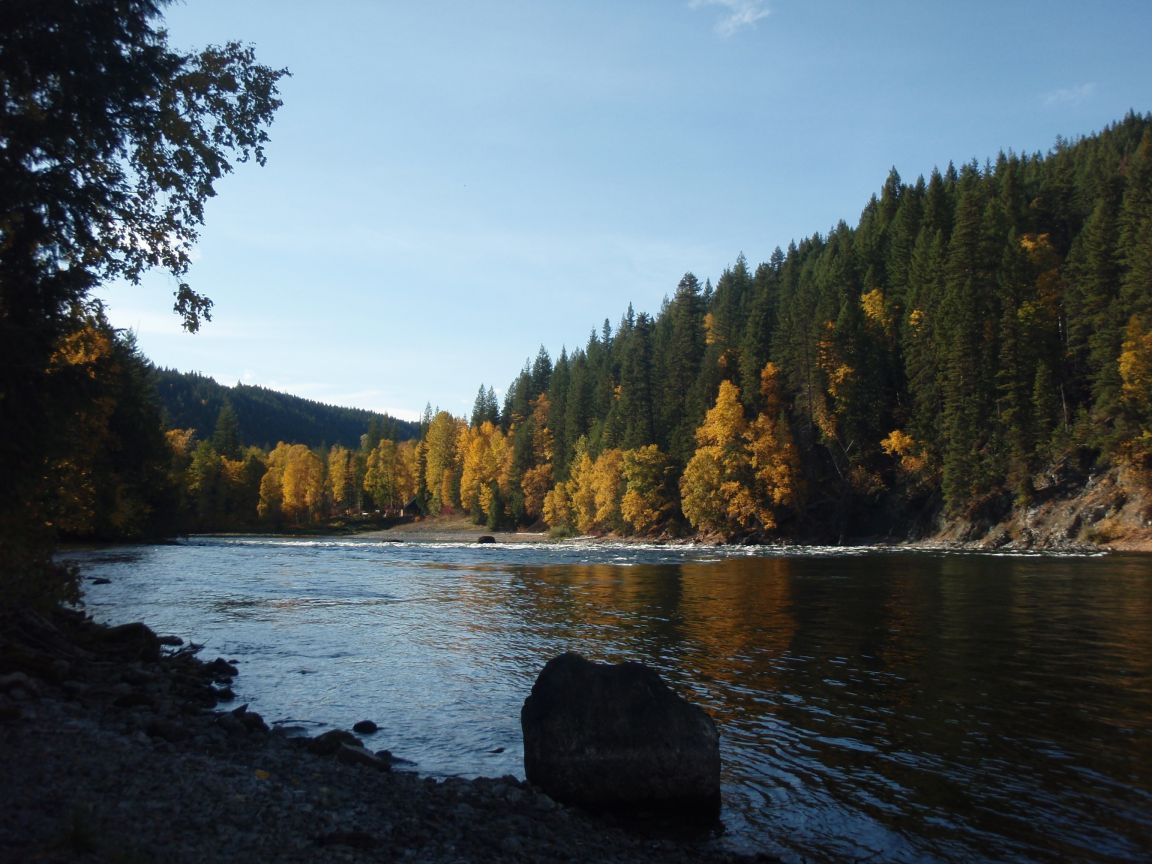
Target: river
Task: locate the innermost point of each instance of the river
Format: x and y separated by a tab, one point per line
873	704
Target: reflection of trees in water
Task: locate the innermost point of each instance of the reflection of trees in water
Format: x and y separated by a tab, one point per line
848	662
739	626
714	629
607	612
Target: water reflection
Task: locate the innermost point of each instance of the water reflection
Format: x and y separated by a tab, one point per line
906	707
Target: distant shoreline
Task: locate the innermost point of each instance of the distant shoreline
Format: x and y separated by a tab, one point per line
459	529
450	529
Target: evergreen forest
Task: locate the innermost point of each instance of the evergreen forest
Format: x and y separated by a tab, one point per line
265	417
977	338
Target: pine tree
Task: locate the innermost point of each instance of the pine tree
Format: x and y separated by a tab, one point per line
558	389
637	386
681	356
226	437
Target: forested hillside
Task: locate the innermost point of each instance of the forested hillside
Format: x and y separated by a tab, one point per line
977	338
977	345
264	417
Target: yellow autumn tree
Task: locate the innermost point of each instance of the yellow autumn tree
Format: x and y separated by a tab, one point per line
557	510
485	468
582	489
646	502
440	447
302	485
571	504
342	479
543	443
717	489
537	478
180	445
1135	363
535	484
78	359
270	505
296	488
875	309
772	452
407	470
380	469
608	490
701	497
902	446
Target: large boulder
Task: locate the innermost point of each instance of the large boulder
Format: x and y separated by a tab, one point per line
598	735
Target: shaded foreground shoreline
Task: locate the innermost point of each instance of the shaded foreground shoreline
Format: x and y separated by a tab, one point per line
113	749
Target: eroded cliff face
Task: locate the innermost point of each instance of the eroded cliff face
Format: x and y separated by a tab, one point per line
1109	510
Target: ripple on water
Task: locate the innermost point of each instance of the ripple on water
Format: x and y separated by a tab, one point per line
927	706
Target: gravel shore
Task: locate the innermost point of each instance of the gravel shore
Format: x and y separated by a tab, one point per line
451	529
116	748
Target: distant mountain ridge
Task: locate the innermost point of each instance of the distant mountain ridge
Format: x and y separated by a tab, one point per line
265	417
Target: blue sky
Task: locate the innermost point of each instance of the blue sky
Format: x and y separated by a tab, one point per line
452	184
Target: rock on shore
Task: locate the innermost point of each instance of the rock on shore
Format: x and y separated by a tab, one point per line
617	736
112	751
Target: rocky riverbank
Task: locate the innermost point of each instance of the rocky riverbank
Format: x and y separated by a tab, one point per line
114	747
1109	511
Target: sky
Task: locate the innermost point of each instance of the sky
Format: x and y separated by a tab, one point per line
452	185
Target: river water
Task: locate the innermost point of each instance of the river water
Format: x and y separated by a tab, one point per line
873	704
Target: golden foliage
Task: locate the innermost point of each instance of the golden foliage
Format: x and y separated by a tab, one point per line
342	477
388	476
1041	253
775	463
571	505
724	423
582	491
557	509
741	471
293	485
440	446
1135	365
302	485
487	460
646	502
873	304
82	349
535	484
268	507
837	378
180	442
771	388
701	495
543	442
608	490
905	448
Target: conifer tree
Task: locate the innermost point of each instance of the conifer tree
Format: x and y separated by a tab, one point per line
226	437
681	357
558	388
